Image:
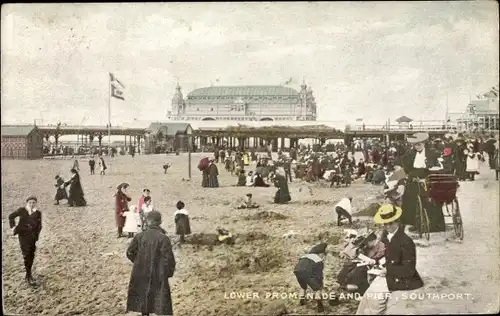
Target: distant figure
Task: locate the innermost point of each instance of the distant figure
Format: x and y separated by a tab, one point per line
282	196
76	165
102	165
242	179
213	174
76	196
259	181
92	165
248	203
121	206
154	263
61	191
165	167
28	229
181	219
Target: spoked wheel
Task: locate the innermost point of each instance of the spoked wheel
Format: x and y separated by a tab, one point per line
423	223
457	219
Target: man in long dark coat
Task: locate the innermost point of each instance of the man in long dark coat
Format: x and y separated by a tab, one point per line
416	163
28	229
154	262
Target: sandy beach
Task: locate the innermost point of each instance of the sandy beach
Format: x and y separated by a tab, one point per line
82	268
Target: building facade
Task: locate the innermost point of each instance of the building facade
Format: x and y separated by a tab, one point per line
482	114
244	103
167	136
21	142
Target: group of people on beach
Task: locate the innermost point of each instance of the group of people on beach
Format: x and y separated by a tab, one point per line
389	256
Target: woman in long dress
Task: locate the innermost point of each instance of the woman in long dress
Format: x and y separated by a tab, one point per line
282	196
121	206
213	174
75	197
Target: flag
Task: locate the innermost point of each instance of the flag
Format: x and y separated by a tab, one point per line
289	81
359	120
116	87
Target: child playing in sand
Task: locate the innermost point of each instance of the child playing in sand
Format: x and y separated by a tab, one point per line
146	207
61	191
181	219
131	222
309	272
248	203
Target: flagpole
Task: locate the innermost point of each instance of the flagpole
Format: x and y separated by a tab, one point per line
109	117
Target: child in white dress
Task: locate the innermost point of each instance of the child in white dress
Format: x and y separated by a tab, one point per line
132	222
147	207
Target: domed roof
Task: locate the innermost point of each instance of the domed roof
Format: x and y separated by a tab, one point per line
243	91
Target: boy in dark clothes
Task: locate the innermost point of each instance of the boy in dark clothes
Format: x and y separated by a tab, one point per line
28	229
61	193
309	272
92	165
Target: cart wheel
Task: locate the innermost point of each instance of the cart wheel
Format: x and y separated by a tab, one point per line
422	220
457	219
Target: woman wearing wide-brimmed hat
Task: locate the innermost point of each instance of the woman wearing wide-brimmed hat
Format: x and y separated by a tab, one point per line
399	272
416	163
121	206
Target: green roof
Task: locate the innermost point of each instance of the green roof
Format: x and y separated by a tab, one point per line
168	128
17	130
243	91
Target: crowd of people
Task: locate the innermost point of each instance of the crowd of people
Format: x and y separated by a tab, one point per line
388	256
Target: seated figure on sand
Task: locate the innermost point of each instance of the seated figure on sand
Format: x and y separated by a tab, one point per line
249	179
225	236
242	179
248	203
258	181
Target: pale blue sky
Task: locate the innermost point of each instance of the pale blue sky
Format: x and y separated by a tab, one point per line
370	60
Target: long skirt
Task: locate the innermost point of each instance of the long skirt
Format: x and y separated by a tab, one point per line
434	211
204	179
282	196
213	182
61	194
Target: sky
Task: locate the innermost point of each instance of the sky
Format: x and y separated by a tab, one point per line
369	60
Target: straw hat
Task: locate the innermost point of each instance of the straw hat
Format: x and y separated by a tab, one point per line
387	213
418	138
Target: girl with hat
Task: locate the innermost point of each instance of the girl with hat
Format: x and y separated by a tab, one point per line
28	229
309	273
399	273
121	206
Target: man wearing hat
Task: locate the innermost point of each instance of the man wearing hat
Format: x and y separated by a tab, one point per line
154	263
416	163
399	273
28	230
309	272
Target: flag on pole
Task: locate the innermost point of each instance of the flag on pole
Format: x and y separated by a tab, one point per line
289	81
116	87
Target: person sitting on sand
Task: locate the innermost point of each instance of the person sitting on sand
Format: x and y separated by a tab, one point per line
378	176
242	179
225	236
309	273
354	275
61	193
248	203
344	209
399	273
259	181
249	179
181	219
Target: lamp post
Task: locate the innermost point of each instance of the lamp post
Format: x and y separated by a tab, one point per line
189	133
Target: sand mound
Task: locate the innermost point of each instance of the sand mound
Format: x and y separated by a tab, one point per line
370	210
317	202
209	239
266	215
331	238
